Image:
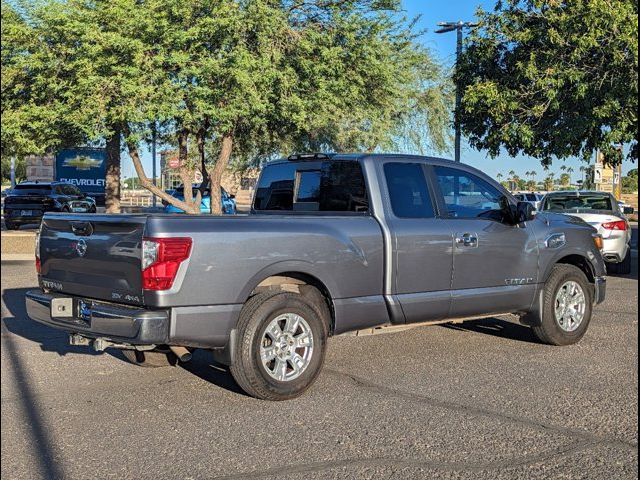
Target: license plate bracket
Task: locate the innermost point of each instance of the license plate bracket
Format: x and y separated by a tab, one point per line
62	307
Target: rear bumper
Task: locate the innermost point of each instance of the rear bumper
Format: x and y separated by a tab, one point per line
206	326
600	291
135	326
614	250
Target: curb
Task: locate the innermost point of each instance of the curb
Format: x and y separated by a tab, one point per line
17	257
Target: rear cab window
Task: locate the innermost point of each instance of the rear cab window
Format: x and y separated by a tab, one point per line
336	186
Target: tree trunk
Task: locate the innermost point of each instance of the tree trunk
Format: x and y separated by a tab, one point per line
112	177
132	148
216	174
187	173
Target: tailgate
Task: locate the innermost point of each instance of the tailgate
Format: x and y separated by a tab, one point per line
95	256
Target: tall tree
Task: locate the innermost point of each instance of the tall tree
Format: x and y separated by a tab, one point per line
230	78
552	78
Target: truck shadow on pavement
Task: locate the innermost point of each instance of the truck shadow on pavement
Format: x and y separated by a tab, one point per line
50	339
18	323
496	327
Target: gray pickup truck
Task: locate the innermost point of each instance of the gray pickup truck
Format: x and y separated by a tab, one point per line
334	243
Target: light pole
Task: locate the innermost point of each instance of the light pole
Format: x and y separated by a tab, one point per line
13	172
447	27
154	136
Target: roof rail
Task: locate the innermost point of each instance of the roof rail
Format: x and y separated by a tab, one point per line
309	156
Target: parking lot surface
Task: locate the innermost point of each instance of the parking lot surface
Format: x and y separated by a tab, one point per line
478	400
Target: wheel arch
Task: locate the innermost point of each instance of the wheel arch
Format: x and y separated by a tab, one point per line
578	261
291	280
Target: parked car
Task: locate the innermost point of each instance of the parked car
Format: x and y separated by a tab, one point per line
626	208
29	201
602	211
534	199
228	201
332	244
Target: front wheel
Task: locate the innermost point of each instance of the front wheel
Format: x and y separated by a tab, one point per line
567	306
280	344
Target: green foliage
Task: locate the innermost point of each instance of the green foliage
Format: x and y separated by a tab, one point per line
630	182
552	78
21	170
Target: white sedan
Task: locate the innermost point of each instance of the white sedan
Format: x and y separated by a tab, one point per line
601	211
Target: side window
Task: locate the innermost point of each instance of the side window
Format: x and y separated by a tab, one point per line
408	190
468	196
70	190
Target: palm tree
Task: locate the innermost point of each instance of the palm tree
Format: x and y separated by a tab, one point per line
569	172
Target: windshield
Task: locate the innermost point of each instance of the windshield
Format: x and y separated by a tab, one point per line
576	204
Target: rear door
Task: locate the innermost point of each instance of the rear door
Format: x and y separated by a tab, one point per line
422	243
495	263
95	256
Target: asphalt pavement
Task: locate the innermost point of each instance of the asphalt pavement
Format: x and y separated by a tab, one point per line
481	400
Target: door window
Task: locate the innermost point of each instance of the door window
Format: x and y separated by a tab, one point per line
468	196
408	190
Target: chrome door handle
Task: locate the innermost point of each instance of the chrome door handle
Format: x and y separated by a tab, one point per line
468	240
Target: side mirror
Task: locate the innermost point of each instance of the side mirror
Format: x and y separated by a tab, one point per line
524	212
628	210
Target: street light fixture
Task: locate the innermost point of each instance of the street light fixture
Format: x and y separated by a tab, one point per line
447	27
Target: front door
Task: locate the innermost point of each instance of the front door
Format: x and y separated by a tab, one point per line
422	245
495	263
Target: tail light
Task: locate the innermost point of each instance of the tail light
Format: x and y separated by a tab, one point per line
161	259
618	225
38	262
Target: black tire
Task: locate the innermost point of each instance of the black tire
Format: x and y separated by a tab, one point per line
12	226
624	267
246	366
548	330
151	358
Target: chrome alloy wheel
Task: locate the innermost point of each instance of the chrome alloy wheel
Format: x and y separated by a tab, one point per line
570	306
286	347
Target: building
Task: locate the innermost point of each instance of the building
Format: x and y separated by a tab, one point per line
607	178
169	176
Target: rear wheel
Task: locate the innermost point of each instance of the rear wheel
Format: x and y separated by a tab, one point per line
280	345
568	300
151	358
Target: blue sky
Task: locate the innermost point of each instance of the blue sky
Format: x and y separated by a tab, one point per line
443	47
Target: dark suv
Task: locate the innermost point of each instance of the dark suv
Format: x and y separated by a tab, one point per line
28	201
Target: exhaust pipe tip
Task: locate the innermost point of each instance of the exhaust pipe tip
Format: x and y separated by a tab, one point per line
182	353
